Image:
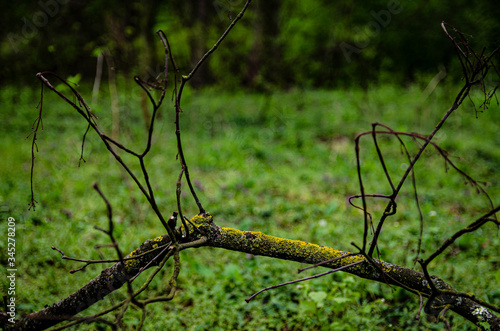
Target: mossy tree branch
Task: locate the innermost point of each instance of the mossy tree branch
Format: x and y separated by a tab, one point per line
205	232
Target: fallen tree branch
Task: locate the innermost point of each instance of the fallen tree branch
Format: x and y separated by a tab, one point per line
205	232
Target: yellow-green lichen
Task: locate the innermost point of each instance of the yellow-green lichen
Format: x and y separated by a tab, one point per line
202	221
261	244
132	263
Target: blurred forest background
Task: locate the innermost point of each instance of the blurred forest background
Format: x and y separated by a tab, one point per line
274	110
312	43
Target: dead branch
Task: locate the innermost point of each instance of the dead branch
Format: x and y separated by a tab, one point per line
206	233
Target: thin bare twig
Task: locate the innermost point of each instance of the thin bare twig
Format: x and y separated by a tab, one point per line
178	95
304	279
474	73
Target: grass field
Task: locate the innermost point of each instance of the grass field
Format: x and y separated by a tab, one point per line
279	163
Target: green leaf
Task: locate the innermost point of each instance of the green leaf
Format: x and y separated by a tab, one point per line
318	297
307	307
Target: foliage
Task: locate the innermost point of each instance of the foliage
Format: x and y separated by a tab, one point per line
297	43
282	163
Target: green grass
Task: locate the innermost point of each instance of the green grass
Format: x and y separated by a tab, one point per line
280	163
